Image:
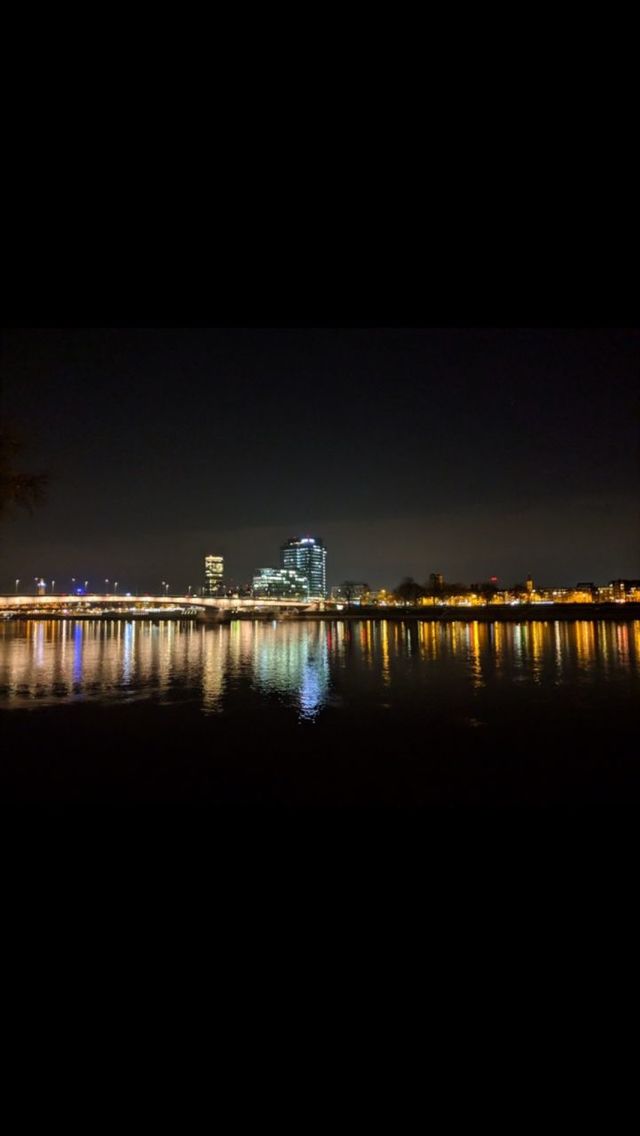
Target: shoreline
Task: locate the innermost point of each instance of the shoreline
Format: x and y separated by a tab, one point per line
525	613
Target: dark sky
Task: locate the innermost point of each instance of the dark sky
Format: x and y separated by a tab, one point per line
470	452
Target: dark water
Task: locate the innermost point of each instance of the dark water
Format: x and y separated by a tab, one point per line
367	713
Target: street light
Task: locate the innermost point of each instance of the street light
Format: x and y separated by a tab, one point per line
86	585
17	583
107	587
115	586
189	589
53	586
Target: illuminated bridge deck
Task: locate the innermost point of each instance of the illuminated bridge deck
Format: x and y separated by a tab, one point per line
223	609
197	606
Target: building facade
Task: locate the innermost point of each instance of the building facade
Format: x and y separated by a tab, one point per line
280	583
213	575
308	556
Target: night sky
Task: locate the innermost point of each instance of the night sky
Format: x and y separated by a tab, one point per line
469	452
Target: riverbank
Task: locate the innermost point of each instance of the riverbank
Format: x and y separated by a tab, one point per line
494	613
502	613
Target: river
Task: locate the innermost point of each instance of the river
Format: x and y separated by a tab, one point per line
367	713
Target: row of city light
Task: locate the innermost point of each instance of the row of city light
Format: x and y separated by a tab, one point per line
384	598
41	583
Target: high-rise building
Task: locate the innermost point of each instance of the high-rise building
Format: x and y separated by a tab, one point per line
308	556
213	573
280	583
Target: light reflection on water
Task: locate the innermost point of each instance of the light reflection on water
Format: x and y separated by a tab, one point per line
303	666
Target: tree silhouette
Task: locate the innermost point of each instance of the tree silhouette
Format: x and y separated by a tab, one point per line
488	591
348	589
409	591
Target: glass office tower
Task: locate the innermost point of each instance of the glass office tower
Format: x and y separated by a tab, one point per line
308	556
213	572
281	584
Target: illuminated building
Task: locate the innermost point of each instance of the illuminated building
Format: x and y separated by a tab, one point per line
528	584
280	583
586	588
618	589
308	556
623	589
582	593
213	572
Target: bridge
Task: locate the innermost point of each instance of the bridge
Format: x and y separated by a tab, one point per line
201	606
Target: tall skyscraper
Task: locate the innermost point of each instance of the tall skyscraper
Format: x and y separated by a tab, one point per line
308	556
213	572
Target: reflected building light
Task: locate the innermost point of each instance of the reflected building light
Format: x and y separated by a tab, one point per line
537	649
604	647
584	642
384	646
77	652
369	643
474	654
38	645
499	646
213	671
558	648
636	644
315	680
128	652
622	643
518	644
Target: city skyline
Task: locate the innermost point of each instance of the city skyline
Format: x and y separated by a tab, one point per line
477	452
428	582
210	566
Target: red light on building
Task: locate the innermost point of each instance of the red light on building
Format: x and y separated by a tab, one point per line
494	579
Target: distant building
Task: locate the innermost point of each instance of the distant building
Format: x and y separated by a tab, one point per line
350	590
622	588
213	574
528	585
436	582
308	556
584	592
280	583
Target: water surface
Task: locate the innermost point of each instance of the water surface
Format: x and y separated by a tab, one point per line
361	712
